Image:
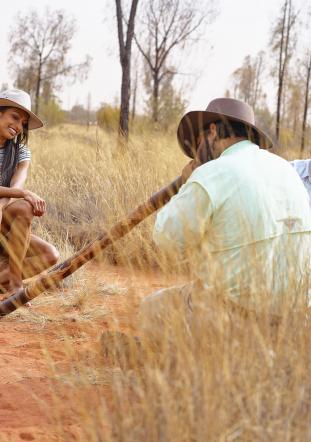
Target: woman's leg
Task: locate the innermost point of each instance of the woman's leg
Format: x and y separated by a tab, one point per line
40	256
15	237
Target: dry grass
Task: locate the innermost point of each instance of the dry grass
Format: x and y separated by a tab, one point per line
227	378
230	381
89	185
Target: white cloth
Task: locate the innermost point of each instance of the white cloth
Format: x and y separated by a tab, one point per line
246	215
303	168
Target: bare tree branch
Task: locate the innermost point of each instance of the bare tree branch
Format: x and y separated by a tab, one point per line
39	52
165	25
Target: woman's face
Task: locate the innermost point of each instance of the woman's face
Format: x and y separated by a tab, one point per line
12	121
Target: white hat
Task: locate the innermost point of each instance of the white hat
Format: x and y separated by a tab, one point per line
21	100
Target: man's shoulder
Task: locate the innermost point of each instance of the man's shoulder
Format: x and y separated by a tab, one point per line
205	170
215	174
253	166
226	165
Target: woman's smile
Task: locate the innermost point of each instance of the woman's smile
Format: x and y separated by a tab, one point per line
13	131
12	121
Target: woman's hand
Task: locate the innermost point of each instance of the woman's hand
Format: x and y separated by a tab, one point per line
38	204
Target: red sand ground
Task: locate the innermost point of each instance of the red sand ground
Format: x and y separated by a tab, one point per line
44	348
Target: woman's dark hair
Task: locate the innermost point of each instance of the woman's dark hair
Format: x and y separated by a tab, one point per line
230	128
11	149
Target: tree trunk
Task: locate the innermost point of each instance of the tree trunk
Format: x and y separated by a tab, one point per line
155	99
278	109
281	73
258	71
306	107
125	48
125	99
38	87
133	114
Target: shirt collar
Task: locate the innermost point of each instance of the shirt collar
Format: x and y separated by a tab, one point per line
241	145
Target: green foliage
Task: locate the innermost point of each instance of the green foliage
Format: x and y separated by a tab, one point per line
264	119
247	80
78	114
51	112
108	117
171	106
287	139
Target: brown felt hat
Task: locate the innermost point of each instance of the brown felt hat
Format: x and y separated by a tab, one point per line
220	109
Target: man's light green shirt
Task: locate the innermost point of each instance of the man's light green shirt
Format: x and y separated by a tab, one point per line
247	216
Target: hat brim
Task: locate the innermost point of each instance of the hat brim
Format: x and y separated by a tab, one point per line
195	122
33	123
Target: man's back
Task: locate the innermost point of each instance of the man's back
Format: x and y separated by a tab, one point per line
255	196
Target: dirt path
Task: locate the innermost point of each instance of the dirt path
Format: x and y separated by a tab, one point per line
49	356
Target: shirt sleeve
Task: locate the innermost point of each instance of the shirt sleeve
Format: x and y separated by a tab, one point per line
24	154
302	167
185	219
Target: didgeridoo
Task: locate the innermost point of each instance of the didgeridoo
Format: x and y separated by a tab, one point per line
60	271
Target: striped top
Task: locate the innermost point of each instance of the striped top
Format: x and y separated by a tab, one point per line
24	154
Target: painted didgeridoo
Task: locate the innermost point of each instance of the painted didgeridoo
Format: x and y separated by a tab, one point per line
60	271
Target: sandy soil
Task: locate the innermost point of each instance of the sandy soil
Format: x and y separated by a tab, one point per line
49	356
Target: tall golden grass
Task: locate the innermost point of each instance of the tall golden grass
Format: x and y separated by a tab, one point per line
89	184
228	378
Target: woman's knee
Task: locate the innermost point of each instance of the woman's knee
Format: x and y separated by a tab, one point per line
52	255
20	208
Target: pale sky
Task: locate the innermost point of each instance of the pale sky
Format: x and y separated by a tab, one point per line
241	28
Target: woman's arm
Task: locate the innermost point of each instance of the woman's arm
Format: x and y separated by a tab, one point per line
17	184
19	177
16	190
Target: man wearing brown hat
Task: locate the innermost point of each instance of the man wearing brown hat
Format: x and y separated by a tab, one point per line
243	212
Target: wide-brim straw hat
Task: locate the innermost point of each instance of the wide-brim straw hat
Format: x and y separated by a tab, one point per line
21	100
220	109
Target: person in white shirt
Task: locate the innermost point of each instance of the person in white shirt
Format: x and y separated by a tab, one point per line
244	215
243	218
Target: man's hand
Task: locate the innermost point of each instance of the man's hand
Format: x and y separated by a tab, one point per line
38	204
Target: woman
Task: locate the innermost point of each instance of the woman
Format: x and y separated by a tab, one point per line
26	254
